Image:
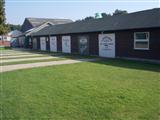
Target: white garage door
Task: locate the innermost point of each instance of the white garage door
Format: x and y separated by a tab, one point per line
43	43
66	44
107	45
53	44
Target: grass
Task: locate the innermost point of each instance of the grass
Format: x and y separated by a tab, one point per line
31	61
59	54
45	60
48	55
102	90
24	57
15	54
5	48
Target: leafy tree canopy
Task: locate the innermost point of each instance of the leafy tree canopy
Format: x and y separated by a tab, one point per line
3	26
14	27
97	15
89	18
120	12
103	15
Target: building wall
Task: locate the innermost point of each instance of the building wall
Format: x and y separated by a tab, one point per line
38	43
47	43
125	44
93	42
21	41
74	44
4	43
59	43
5	37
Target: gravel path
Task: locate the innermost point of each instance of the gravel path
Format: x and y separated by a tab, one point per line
41	64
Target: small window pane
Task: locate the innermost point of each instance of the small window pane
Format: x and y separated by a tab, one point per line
141	45
141	36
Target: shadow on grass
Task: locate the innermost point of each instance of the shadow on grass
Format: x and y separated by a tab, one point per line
57	54
130	64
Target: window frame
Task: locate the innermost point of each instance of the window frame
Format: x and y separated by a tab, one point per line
141	40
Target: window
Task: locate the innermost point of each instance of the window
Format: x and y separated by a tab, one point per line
141	40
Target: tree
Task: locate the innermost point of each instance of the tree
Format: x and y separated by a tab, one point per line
105	15
78	20
120	12
89	18
3	26
97	15
14	27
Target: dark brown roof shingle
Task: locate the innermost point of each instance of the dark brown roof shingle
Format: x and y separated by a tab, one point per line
143	19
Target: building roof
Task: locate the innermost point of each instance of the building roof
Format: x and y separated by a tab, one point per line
39	21
36	29
15	33
137	20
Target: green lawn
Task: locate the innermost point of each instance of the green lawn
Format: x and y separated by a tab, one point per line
5	48
24	57
31	61
102	90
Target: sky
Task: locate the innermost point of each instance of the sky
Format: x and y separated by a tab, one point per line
18	10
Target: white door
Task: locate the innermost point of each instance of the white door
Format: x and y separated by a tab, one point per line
66	44
43	43
107	45
53	44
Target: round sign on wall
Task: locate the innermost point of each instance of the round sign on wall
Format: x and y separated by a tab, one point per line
106	43
83	41
83	45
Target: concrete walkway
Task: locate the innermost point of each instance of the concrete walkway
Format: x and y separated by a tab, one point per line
11	54
13	51
27	59
18	56
41	64
10	51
